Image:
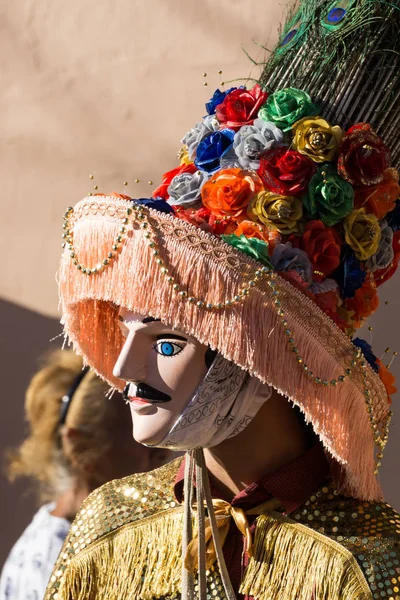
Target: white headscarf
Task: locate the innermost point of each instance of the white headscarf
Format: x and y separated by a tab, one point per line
224	404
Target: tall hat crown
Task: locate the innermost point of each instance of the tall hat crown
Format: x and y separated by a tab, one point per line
345	54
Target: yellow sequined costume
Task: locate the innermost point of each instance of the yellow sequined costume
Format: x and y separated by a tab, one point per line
125	543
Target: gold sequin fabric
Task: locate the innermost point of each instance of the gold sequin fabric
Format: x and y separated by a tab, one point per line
369	530
103	560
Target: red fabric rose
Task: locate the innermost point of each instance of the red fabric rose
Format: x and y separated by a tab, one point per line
240	107
297	281
383	275
162	190
363	157
203	219
322	245
364	303
286	172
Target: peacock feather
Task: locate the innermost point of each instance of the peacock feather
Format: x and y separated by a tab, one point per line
346	55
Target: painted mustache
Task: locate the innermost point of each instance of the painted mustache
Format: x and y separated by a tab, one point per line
147	392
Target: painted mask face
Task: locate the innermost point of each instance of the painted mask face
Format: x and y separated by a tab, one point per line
162	368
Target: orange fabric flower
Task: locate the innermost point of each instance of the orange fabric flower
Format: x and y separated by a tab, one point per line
364	303
381	198
229	192
388	379
256	230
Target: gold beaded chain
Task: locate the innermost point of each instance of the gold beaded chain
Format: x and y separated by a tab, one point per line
380	436
68	243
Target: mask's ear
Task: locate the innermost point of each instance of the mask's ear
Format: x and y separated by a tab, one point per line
210	356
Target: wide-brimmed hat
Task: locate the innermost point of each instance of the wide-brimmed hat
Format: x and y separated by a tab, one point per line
269	240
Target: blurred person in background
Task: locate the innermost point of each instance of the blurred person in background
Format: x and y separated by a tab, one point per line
78	439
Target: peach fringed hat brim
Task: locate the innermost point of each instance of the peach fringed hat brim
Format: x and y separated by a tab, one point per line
249	333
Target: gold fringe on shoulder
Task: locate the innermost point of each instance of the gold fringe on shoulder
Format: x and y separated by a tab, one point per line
140	561
293	562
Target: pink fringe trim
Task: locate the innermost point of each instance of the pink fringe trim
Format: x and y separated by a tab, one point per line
249	333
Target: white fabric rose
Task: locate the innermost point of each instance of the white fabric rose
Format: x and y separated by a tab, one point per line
185	189
251	141
193	137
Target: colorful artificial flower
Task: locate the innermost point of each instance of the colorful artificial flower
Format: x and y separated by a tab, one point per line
382	275
287	258
366	349
322	245
183	155
364	303
344	318
251	229
350	275
285	107
362	233
295	279
381	198
240	107
327	301
201	130
229	192
162	190
212	148
276	211
384	256
155	203
254	247
363	157
185	189
328	197
217	98
315	138
285	171
252	141
387	378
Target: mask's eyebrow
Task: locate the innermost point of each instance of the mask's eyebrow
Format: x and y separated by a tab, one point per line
150	320
171	336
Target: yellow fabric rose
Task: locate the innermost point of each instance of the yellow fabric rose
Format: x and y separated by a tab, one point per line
183	156
362	233
315	138
282	213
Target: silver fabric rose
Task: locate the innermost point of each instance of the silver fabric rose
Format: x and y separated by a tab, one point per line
385	253
251	141
287	258
185	189
193	137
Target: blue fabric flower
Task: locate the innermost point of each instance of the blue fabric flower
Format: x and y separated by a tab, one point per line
212	148
393	218
155	203
350	275
218	98
367	351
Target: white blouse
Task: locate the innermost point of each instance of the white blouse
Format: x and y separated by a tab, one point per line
28	567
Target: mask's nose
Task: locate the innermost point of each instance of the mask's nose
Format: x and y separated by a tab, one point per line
131	363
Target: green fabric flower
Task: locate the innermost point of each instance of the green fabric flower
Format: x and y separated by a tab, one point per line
257	249
329	197
285	107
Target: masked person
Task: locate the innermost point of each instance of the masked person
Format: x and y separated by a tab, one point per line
78	439
227	304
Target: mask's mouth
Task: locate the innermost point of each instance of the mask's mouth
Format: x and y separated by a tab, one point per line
145	393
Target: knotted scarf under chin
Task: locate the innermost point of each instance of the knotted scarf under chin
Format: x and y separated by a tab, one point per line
224	404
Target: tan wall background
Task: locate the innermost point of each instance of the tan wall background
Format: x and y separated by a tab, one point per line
108	88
